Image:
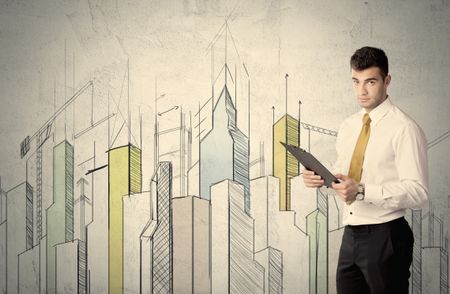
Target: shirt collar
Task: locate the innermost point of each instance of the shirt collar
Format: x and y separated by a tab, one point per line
378	112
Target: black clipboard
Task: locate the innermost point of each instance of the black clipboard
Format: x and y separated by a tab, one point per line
311	163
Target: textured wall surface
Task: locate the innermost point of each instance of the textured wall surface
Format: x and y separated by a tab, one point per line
136	52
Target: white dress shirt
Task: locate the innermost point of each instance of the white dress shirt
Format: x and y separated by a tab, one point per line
395	168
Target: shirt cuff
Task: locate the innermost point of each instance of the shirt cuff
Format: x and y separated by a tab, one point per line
374	194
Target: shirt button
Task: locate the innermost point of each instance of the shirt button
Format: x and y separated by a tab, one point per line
351	212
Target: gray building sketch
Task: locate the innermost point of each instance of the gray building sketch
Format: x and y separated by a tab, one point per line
225	146
416	266
136	215
191	245
28	274
272	261
162	235
97	230
429	234
175	145
17	236
3	260
234	268
278	230
71	260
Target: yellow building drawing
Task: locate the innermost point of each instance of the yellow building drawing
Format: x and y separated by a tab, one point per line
285	166
125	177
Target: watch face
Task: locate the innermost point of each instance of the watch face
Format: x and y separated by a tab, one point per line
359	196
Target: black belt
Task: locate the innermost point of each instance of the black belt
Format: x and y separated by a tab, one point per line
376	227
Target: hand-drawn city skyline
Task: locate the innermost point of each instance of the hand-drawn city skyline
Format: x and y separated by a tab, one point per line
213	218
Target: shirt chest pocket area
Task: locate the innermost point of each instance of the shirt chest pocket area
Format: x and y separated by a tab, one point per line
379	158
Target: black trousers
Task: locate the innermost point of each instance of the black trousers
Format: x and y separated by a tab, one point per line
375	259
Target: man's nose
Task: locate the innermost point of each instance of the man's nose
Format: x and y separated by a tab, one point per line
362	90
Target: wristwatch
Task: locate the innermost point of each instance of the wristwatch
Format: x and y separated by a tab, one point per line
361	192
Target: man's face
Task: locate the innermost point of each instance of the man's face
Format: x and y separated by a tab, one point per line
369	87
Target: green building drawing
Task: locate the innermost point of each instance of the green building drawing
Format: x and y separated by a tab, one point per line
60	213
317	230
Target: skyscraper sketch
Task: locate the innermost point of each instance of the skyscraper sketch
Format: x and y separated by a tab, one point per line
225	146
416	266
162	236
272	261
278	230
16	233
317	229
175	145
29	269
3	260
191	245
124	167
285	166
136	215
234	268
60	213
71	260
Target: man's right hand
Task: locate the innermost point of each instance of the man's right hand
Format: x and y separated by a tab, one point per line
312	180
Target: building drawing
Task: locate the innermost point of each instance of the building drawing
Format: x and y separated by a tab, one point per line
225	146
82	205
36	257
17	236
317	230
146	249
60	213
97	232
2	204
277	230
434	249
124	170
234	268
28	274
178	153
285	166
416	266
3	260
272	261
191	245
161	249
136	214
71	260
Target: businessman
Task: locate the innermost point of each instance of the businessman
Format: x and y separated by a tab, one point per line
383	170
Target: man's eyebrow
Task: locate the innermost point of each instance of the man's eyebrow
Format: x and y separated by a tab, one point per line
366	80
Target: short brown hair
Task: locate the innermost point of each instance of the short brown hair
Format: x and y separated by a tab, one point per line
366	57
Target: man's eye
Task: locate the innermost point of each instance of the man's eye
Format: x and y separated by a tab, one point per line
371	82
355	82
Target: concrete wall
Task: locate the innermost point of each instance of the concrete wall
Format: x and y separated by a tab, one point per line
50	50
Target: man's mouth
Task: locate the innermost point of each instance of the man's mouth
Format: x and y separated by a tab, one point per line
363	99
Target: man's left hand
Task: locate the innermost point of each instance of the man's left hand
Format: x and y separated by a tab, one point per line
346	189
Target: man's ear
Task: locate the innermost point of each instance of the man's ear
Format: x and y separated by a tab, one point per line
387	80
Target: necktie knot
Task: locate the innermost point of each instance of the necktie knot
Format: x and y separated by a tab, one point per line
366	119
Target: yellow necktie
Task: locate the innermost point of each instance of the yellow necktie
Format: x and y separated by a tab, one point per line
360	148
